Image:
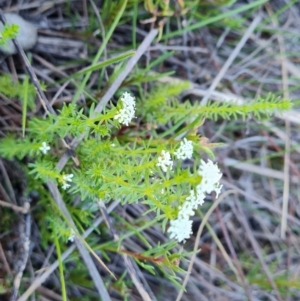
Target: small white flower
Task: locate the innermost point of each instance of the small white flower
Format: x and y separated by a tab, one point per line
65	179
180	229
211	176
44	148
185	150
186	210
126	114
68	178
65	186
164	161
197	199
191	203
72	236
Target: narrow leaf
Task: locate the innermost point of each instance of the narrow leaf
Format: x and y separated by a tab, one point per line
108	62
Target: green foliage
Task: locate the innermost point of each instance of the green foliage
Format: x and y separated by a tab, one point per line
112	165
255	275
23	91
11	147
115	165
9	32
3	290
161	106
15	89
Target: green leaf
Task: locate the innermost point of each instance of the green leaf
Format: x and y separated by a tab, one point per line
108	62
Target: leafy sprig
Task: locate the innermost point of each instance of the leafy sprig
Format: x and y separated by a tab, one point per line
9	32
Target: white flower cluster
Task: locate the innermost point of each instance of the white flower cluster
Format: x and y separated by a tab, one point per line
44	148
185	150
65	180
164	161
181	228
126	114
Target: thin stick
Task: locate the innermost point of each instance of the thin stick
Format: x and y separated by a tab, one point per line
23	210
5	262
286	168
204	220
127	261
230	60
98	282
256	247
8	183
233	254
129	66
110	92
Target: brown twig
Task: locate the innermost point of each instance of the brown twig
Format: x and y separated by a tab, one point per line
8	183
4	261
127	261
23	210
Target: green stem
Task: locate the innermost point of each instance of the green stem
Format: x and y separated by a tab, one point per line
61	269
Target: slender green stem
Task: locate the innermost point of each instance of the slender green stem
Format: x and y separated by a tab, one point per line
217	18
100	51
61	269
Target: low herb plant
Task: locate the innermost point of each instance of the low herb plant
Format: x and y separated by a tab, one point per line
132	152
142	148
